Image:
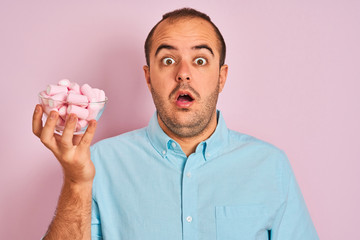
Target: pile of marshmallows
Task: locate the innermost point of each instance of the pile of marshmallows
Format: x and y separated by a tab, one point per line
68	97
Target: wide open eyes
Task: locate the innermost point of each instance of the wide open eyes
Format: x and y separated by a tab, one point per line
168	61
200	61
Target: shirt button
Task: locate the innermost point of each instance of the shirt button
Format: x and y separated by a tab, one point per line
173	145
189	219
208	154
188	174
164	152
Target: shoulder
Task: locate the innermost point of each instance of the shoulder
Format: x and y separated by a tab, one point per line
112	154
259	152
127	138
265	156
120	146
244	141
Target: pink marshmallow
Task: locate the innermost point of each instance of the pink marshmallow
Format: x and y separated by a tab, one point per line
64	82
62	111
57	97
94	110
77	99
60	125
59	128
44	98
102	96
55	89
60	122
81	124
57	100
47	109
82	113
88	92
96	92
75	87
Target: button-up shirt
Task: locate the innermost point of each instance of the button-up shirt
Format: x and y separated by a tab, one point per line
233	186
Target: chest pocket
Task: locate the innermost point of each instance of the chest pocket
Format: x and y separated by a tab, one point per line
245	222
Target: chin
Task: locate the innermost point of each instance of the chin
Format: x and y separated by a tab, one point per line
184	115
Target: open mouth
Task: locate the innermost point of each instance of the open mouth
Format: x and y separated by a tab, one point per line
184	98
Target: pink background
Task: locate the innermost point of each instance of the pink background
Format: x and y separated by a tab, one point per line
293	81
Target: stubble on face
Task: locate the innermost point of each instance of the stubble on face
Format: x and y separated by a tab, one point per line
199	120
185	39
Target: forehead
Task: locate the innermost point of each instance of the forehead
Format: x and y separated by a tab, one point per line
184	32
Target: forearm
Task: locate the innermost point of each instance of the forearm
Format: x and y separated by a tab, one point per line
72	219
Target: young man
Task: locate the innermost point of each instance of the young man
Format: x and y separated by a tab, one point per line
186	175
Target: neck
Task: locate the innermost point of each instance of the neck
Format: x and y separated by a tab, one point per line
189	144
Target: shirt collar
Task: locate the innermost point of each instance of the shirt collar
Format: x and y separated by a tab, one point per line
158	138
210	147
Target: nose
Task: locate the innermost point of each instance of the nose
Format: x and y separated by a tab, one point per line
183	73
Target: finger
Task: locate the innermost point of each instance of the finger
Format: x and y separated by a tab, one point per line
89	135
47	133
68	133
77	139
37	121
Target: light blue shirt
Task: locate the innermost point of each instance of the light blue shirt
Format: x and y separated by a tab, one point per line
233	187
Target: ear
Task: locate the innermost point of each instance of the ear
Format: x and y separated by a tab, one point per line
147	75
223	76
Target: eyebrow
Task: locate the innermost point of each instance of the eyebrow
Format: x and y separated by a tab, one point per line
166	46
204	46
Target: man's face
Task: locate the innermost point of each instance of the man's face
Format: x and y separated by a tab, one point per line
184	75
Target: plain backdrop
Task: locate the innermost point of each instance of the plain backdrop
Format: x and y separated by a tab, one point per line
293	81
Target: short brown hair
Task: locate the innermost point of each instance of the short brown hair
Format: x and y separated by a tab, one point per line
185	13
